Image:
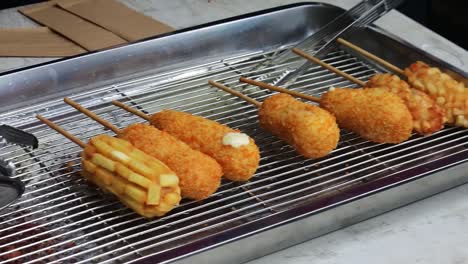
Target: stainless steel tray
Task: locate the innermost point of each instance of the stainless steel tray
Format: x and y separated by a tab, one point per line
61	218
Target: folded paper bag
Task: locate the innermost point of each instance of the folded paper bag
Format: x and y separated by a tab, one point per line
116	17
35	42
82	32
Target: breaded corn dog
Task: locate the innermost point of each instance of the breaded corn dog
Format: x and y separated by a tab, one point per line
428	117
312	131
451	95
234	151
373	113
139	180
199	174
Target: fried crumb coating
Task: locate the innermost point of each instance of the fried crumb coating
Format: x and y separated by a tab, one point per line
428	117
199	174
448	93
238	163
312	131
374	114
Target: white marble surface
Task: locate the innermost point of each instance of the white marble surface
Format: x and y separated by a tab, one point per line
430	231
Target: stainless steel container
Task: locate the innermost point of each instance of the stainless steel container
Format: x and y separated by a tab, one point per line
61	218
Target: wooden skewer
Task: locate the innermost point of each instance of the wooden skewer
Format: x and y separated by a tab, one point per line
61	131
279	89
92	115
236	93
131	110
371	56
327	66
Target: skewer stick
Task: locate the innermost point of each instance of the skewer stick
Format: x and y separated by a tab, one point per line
371	56
92	115
236	93
61	131
328	66
279	89
131	110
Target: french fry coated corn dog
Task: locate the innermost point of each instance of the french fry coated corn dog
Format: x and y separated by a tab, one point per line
199	174
234	151
373	113
312	131
140	181
449	94
428	117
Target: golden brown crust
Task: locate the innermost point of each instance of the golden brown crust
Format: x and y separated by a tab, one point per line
428	117
199	174
239	164
374	114
312	131
449	94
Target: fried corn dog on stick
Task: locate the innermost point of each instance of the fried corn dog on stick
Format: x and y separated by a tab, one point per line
234	151
199	175
312	131
356	111
449	94
428	116
373	113
140	181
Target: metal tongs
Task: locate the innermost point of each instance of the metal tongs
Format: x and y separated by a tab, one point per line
11	188
323	41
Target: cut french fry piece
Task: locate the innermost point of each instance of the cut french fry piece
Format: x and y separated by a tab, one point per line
105	176
136	193
104	162
120	156
167	180
139	155
89	166
171	198
122	170
154	195
101	146
139	180
119	185
142	169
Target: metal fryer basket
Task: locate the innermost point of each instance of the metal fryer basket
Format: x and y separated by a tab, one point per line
61	218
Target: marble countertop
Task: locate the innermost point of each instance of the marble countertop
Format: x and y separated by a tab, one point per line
433	230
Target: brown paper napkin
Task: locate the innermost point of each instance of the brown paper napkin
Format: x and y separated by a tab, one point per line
116	17
35	42
82	32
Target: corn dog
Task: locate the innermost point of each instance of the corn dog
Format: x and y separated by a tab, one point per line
373	113
199	174
428	117
140	181
449	94
312	131
234	151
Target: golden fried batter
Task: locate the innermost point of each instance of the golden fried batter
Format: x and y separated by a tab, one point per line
374	114
428	117
312	131
199	174
239	163
451	95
